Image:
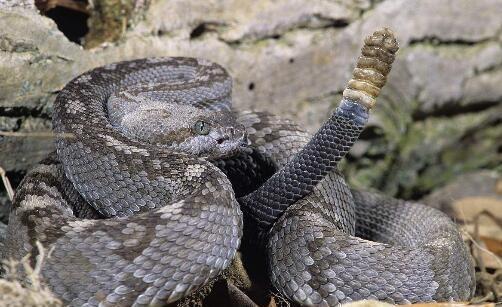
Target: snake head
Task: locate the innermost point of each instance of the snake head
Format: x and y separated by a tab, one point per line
215	135
201	132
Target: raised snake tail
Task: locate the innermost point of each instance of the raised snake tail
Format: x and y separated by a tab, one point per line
329	145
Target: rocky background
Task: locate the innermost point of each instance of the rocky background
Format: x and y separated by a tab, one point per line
435	135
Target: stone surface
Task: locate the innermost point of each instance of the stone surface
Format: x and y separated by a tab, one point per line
459	197
411	158
27	4
31	148
474	200
438	116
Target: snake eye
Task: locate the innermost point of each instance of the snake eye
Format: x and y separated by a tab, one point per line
201	127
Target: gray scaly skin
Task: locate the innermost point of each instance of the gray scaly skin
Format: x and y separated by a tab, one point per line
172	218
327	245
173	221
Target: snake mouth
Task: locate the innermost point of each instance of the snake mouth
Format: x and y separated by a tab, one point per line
230	148
229	141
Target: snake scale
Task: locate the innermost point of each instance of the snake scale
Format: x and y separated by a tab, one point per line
142	201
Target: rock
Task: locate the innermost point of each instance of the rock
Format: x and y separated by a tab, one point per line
481	88
474	200
33	148
437	119
412	158
109	19
367	303
443	79
26	4
467	195
292	57
9	123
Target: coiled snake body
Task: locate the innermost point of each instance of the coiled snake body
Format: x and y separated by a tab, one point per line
135	141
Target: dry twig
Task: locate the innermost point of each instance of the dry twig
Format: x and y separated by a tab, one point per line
26	289
6	183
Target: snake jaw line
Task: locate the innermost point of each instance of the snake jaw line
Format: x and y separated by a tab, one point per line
372	68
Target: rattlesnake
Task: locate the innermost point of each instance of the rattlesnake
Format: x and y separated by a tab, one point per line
163	219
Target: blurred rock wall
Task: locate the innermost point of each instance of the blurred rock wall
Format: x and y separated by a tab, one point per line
438	117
